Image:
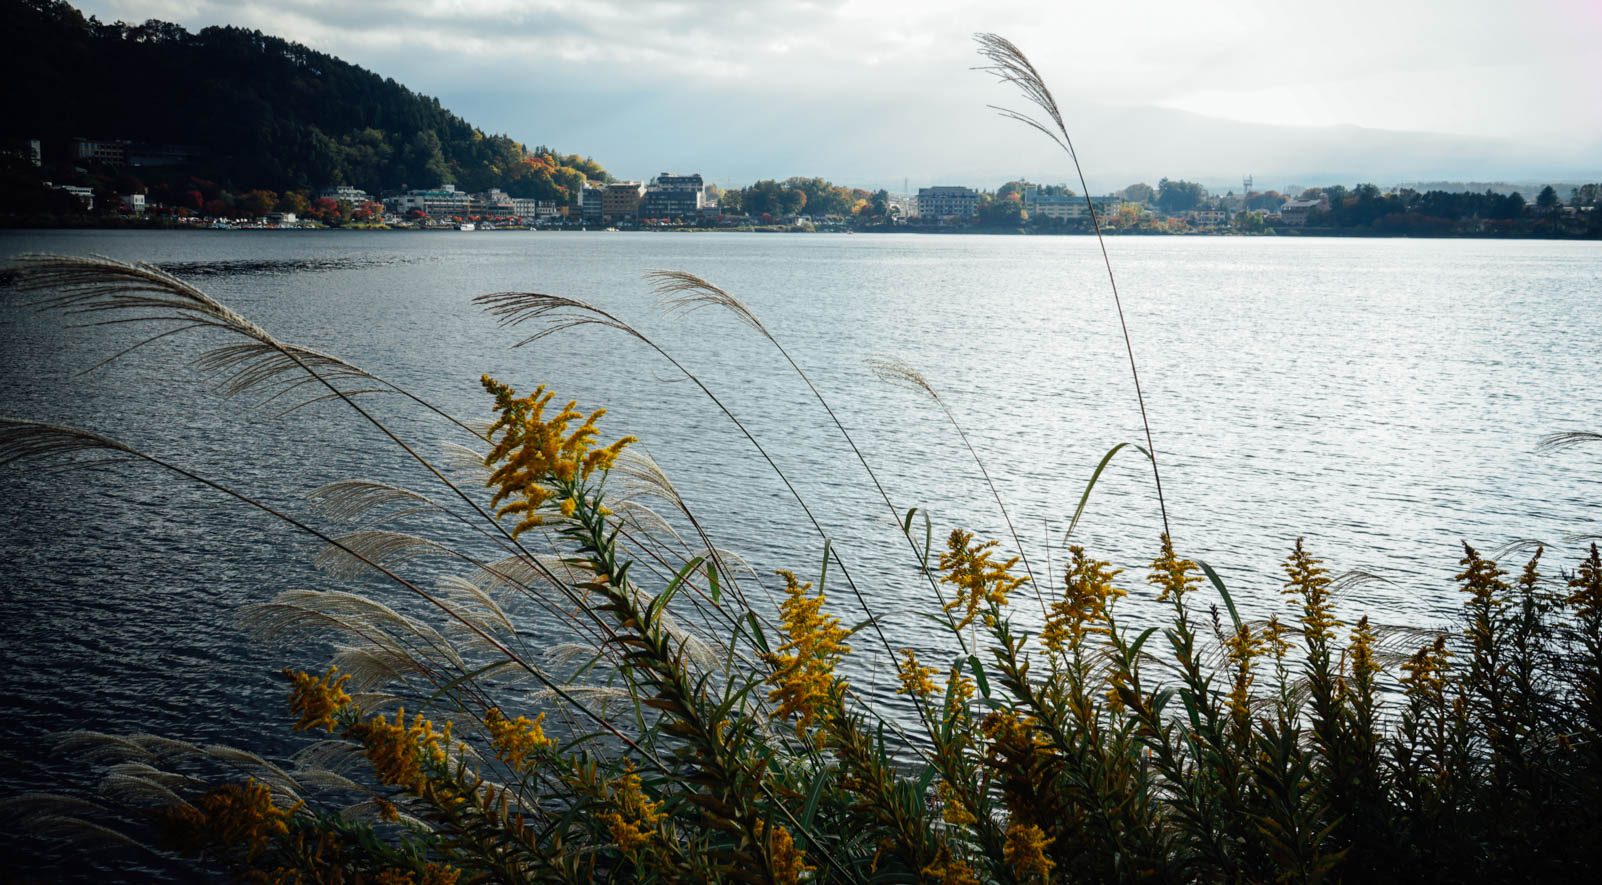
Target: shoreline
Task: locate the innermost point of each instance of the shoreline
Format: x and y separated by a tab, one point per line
35	224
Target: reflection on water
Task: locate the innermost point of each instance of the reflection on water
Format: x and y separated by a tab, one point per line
282	266
1381	397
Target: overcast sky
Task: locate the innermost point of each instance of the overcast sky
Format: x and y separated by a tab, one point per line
870	93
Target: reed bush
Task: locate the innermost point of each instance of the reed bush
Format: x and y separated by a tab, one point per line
687	733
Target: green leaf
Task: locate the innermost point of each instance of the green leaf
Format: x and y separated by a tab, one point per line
928	540
865	622
465	677
1135	649
662	599
756	631
823	573
712	582
814	793
979	675
1218	584
1084	498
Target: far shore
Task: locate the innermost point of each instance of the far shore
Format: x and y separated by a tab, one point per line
129	223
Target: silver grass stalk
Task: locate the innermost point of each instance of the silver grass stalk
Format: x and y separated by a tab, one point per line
682	292
1009	65
898	373
356	549
355	500
1567	439
102	291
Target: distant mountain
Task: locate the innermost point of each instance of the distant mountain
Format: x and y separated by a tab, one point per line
247	110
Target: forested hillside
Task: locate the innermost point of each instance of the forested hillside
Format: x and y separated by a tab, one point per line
263	112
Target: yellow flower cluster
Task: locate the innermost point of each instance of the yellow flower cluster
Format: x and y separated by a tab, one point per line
1172	575
952	809
433	874
232	815
978	580
1310	581
948	870
516	740
803	667
1241	647
915	678
397	751
1010	733
1360	653
542	458
1481	579
789	862
1116	685
636	817
1088	594
1587	584
1274	635
1424	674
959	688
1025	853
317	700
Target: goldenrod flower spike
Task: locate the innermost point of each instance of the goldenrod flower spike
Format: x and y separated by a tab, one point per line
915	678
1241	648
978	580
1587	585
1088	595
232	815
1424	674
516	741
538	459
1172	575
1360	654
803	667
317	700
398	751
1310	581
634	822
1025	853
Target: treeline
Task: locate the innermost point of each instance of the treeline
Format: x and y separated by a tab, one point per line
258	111
1441	212
1368	209
798	195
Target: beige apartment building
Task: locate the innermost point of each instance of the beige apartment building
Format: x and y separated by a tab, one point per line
621	200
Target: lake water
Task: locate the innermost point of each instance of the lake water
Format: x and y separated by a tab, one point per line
1382	398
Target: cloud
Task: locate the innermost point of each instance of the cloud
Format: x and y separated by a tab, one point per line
879	88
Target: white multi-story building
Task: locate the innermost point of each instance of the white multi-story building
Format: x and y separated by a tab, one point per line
345	193
945	201
441	202
534	210
85	195
674	196
1058	206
